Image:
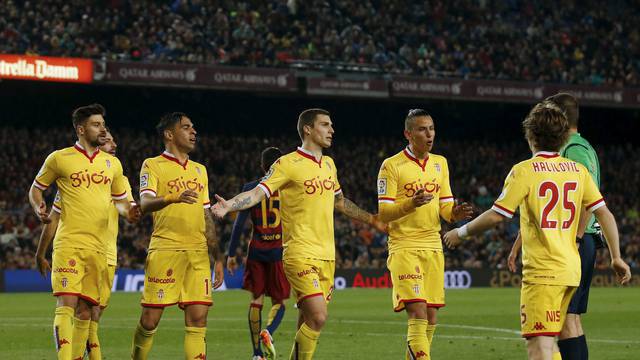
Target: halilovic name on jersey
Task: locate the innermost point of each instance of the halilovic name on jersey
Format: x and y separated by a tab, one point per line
87	184
177	226
400	177
549	191
112	234
307	189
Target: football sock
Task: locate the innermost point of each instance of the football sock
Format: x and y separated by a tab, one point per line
142	341
556	356
305	344
570	348
275	317
431	329
584	349
80	336
195	343
93	343
255	325
63	331
417	341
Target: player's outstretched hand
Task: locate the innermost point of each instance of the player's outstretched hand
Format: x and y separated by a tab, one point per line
379	225
511	261
43	266
461	211
135	213
42	214
218	278
421	197
220	208
451	239
232	264
622	270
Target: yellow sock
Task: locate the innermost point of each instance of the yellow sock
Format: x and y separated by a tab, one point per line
93	343
557	356
430	330
63	331
195	343
80	336
142	341
417	341
305	344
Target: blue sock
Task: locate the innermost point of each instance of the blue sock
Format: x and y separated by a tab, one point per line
275	317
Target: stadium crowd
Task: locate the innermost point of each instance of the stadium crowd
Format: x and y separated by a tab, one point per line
477	173
592	42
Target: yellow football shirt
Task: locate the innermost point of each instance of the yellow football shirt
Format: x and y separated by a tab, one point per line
112	234
549	191
400	177
177	226
87	184
307	189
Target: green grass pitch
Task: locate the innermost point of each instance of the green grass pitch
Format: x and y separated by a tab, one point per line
475	324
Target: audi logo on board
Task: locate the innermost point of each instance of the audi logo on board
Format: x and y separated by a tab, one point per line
457	279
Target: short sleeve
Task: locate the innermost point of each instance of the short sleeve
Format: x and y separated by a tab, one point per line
148	179
119	184
337	188
387	184
274	179
129	191
513	192
206	201
446	196
48	172
592	198
57	203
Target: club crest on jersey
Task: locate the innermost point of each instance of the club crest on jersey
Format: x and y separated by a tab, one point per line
160	294
437	166
144	180
108	163
382	186
416	289
316	284
64	282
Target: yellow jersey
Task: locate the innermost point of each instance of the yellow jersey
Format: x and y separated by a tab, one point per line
87	185
400	177
111	250
307	189
549	191
178	226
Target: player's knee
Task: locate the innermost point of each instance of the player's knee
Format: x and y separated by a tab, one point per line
317	320
197	320
83	311
149	320
96	312
432	316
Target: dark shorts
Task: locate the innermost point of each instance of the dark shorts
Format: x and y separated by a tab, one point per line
266	278
580	300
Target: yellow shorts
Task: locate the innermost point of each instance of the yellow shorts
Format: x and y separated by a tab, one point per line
417	276
180	277
543	308
310	277
107	285
78	272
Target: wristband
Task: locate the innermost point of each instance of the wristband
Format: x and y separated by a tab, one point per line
463	232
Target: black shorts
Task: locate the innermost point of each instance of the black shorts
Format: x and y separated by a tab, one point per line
580	300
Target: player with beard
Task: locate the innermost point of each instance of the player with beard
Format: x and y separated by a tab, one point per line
90	182
175	189
93	347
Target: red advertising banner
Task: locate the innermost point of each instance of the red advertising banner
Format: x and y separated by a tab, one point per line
375	88
43	68
510	91
201	76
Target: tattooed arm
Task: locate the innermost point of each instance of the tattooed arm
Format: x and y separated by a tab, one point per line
347	207
241	201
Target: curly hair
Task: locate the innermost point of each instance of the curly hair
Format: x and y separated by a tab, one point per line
546	126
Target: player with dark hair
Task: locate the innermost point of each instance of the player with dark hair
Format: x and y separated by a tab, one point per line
573	343
175	190
549	190
407	184
307	183
263	271
94	350
88	180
